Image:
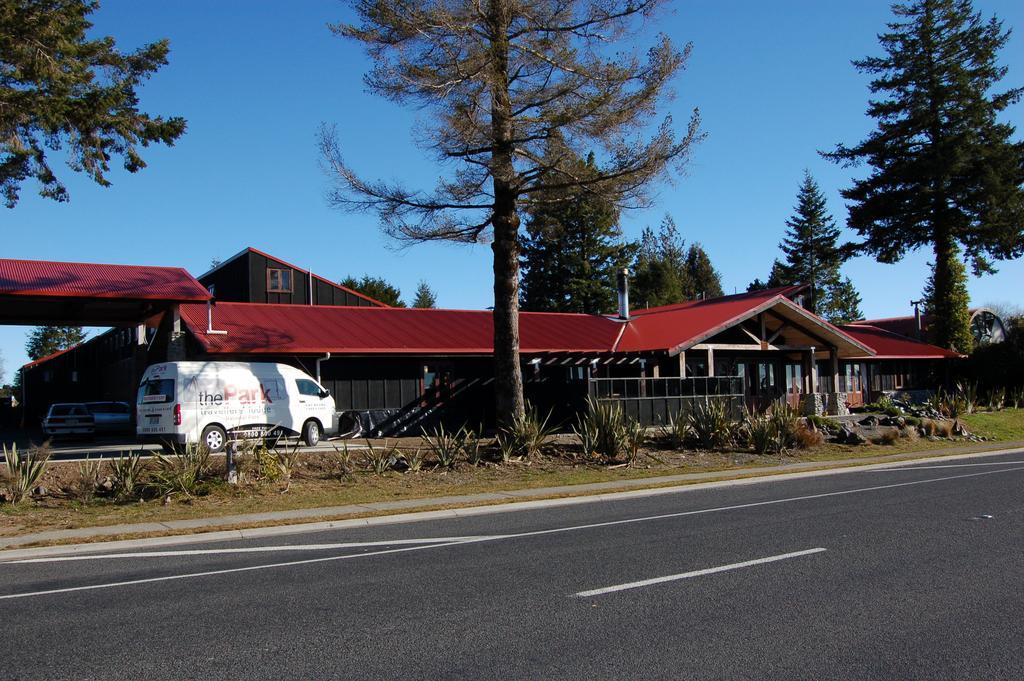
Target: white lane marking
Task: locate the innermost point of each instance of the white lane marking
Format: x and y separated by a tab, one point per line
695	573
909	469
535	533
248	549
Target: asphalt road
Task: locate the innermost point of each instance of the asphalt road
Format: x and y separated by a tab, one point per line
894	574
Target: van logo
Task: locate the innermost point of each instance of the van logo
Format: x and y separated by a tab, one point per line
247	395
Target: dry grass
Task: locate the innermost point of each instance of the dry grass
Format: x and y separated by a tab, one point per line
324	480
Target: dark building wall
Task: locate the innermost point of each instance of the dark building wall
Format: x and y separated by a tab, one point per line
230	282
245	279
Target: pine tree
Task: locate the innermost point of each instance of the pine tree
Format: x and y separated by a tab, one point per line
660	276
775	278
811	248
845	302
945	172
705	280
62	90
495	80
572	251
377	288
425	297
950	322
46	340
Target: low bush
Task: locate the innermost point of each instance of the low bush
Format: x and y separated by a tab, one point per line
472	447
286	458
711	426
1015	397
414	459
805	437
761	433
822	423
379	459
677	430
636	438
126	476
601	430
24	469
933	428
525	437
178	474
445	445
888	438
83	487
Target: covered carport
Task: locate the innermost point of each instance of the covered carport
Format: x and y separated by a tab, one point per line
143	301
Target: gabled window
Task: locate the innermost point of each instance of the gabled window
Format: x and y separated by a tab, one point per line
279	281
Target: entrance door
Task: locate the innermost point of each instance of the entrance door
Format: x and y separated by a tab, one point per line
760	381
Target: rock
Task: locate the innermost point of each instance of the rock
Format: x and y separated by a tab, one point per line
105	485
959	429
870	421
849	436
39	491
398	463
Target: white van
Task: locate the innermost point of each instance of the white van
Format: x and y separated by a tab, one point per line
212	402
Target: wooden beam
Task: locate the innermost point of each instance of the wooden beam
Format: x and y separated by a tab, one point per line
682	364
711	361
752	336
785	325
833	353
749	346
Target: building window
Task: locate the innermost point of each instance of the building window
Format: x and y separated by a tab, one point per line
279	281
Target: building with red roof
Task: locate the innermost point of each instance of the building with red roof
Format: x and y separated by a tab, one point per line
407	363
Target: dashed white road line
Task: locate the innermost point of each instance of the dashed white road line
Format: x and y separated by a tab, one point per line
695	573
910	469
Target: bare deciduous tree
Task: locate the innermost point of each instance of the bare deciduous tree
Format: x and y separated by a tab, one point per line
503	82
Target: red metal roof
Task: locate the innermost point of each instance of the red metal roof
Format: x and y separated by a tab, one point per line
46	279
47	358
889	345
306	329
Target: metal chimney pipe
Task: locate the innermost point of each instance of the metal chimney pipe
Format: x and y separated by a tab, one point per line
624	293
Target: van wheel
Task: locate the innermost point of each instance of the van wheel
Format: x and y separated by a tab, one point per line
311	433
214	438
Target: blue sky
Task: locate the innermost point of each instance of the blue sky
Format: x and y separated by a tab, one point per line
255	80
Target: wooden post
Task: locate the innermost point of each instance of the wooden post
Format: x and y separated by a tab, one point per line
813	373
833	354
711	362
682	364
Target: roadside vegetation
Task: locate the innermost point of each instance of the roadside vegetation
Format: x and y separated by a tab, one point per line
603	445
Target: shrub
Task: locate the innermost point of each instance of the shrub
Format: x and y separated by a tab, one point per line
472	447
996	399
889	437
126	472
525	437
84	486
285	458
822	423
909	432
806	438
445	445
343	460
967	394
414	459
711	427
937	428
379	459
601	430
177	474
762	433
635	438
24	469
677	430
1015	397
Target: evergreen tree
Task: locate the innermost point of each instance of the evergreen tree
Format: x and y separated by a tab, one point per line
425	297
775	278
377	288
46	340
811	248
62	90
950	323
572	251
945	173
660	276
495	80
845	302
705	280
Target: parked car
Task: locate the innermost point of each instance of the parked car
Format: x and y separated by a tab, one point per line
68	418
213	402
111	417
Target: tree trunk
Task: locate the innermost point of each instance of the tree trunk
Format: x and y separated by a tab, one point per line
508	375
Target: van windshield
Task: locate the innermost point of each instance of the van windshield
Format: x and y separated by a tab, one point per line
156	391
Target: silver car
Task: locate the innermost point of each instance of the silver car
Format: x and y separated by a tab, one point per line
69	418
111	417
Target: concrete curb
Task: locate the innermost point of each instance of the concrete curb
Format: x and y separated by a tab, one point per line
748	476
